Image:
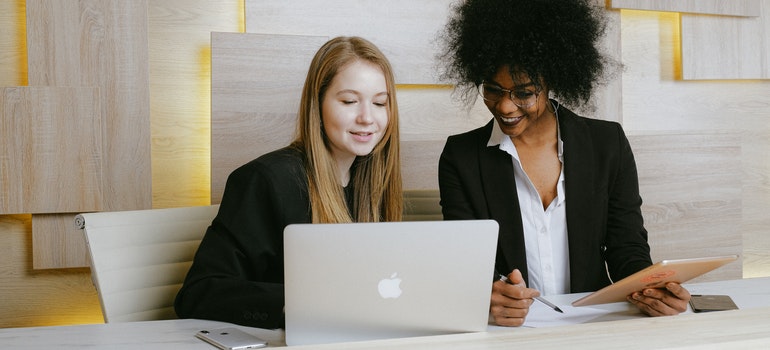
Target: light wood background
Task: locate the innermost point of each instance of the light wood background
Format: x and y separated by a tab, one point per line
97	44
744	53
254	87
48	135
727	116
713	7
741	54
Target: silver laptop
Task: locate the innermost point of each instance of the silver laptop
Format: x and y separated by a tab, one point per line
364	281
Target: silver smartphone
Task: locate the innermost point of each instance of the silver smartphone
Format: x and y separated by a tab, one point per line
231	339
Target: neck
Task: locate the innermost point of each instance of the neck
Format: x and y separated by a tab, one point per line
343	169
543	131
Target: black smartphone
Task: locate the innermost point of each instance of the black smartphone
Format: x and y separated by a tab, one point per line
231	339
705	303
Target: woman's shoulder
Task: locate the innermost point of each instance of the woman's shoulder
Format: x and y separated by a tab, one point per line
568	118
481	133
279	163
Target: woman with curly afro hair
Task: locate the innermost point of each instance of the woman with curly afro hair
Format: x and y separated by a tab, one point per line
563	188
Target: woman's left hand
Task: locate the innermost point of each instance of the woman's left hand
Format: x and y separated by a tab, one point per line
670	300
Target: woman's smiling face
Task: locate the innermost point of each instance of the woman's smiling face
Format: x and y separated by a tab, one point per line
514	120
354	110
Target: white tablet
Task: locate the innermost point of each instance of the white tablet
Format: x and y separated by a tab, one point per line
655	276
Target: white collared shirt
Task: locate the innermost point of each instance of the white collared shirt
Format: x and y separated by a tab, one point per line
545	231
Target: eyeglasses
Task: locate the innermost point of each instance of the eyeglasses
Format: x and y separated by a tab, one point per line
523	98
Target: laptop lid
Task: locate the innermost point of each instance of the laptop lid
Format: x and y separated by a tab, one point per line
363	281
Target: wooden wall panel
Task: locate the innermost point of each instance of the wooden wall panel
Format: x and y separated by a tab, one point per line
692	200
103	44
44	297
179	50
50	157
714	7
256	82
657	101
756	200
58	250
13	60
719	47
404	30
180	86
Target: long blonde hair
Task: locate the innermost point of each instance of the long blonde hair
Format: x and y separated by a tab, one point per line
376	177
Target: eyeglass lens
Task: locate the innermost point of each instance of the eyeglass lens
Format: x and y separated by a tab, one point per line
521	97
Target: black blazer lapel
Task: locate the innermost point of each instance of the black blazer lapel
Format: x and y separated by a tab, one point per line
503	203
579	167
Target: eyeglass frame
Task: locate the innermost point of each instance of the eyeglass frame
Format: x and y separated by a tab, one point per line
510	94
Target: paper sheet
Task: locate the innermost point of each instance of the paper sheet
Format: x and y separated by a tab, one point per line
540	315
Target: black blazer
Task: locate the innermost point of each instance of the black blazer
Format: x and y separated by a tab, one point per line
237	272
604	219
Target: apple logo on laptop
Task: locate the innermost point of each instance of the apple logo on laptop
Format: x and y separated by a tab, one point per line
390	288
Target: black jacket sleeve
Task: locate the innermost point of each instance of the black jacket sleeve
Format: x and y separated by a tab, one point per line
237	273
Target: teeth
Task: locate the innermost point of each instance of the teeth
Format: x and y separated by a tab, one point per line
510	120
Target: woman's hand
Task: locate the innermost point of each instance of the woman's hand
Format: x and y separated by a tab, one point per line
510	300
670	300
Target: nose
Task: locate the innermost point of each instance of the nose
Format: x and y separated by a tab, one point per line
365	114
505	105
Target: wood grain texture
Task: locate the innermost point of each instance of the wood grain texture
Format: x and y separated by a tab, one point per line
180	85
56	242
717	47
50	157
13	45
405	30
43	297
180	103
713	7
101	43
756	196
256	83
692	201
657	101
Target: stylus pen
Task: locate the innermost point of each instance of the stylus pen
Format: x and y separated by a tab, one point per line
540	299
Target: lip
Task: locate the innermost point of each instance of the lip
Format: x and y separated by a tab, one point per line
362	136
510	121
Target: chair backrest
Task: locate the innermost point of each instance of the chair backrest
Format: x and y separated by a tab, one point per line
140	258
422	205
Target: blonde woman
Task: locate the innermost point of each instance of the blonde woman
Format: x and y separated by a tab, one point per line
343	166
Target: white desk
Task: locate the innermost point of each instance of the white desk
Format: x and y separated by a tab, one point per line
622	327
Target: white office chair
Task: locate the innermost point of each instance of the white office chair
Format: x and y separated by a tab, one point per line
140	258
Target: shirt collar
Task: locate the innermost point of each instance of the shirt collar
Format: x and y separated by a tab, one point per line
498	138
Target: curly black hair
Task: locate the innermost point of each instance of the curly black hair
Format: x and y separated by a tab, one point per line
554	42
